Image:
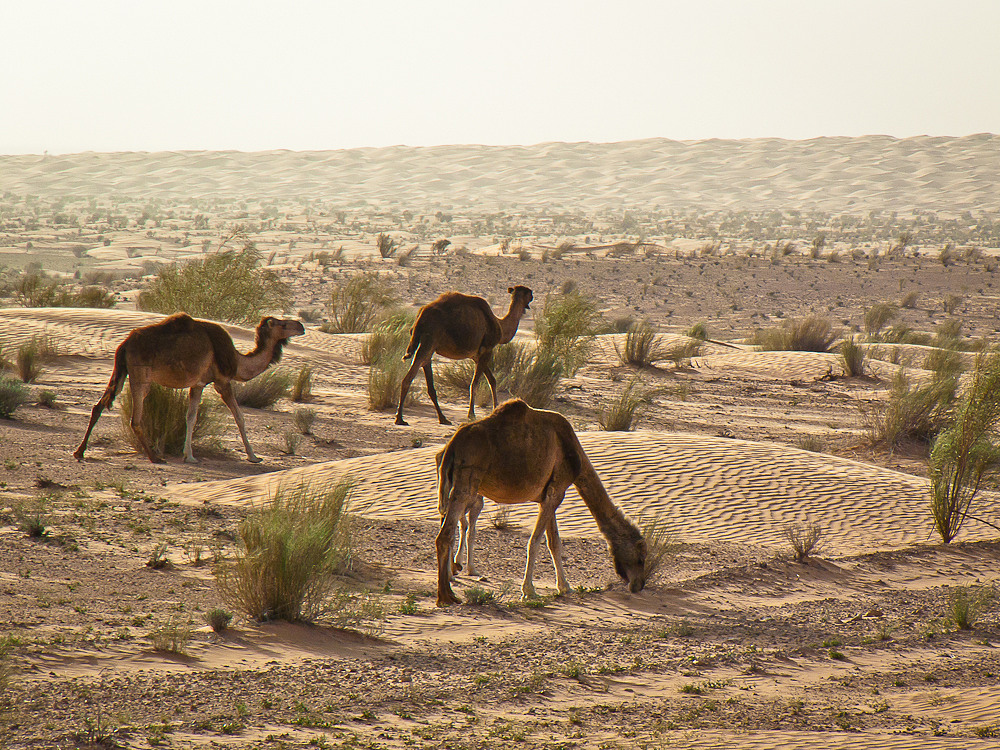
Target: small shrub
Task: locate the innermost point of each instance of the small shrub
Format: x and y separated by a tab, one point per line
292	441
812	443
698	331
304	419
877	317
302	385
28	361
47	399
909	301
288	552
803	539
526	373
660	543
641	348
409	605
619	415
911	412
32	518
158	559
500	520
809	334
967	604
387	247
356	304
94	296
218	619
951	303
164	420
852	356
479	596
263	391
566	328
172	636
388	339
12	395
227	285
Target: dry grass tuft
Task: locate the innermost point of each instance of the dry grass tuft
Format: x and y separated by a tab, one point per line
809	334
803	539
164	417
263	391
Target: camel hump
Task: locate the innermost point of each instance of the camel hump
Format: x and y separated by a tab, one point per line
222	348
177	323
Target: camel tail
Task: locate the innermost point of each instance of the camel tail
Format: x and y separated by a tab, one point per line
445	463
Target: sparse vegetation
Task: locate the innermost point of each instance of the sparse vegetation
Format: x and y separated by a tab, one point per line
12	395
642	346
228	285
877	317
566	328
620	413
302	385
803	539
809	334
356	304
164	420
660	543
289	552
853	357
304	419
263	391
968	603
479	596
172	636
218	619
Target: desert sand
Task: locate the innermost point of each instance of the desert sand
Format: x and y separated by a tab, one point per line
733	644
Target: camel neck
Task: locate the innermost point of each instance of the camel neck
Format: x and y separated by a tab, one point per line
510	321
608	515
254	362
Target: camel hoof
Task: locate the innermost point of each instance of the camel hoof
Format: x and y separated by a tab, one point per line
191	460
78	455
446	600
443	420
400	421
254	459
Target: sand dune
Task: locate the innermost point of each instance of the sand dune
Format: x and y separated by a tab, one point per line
940	173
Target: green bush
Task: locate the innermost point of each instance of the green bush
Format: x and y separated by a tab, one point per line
809	334
356	304
642	347
263	391
218	619
164	416
227	285
967	604
289	552
302	387
619	415
523	371
389	338
28	360
566	328
912	412
877	317
965	452
12	395
852	355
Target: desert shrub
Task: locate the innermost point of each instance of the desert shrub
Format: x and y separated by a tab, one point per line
619	415
389	338
803	539
164	416
680	353
967	604
304	418
292	441
478	596
500	520
909	300
94	296
12	395
965	452
302	385
566	328
384	378
289	552
173	636
642	348
852	356
387	247
911	412
263	391
952	302
47	399
227	285
525	372
218	619
7	644
698	331
28	360
809	334
811	443
33	517
877	317
660	543
356	304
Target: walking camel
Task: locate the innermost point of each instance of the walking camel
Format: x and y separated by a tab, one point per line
182	352
460	326
519	455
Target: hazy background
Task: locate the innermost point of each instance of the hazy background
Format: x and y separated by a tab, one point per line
122	76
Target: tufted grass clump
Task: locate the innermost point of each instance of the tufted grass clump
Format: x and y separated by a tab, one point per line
13	394
968	603
218	619
230	285
877	317
383	352
263	391
661	544
810	334
524	371
566	328
642	346
620	413
28	360
478	596
301	388
357	303
288	553
172	636
164	416
389	338
852	356
304	418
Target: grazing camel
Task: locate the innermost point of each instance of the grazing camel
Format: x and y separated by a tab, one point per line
182	352
460	326
521	455
467	533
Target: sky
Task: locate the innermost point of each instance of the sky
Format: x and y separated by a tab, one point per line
110	75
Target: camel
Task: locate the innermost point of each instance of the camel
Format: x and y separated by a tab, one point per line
519	455
182	352
467	533
460	326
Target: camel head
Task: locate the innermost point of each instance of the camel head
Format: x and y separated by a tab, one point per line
275	332
520	295
629	555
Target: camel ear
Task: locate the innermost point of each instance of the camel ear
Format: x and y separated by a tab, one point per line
510	290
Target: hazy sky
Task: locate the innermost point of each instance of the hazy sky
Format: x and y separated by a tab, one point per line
147	75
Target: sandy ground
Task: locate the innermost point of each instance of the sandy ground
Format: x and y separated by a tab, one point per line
733	645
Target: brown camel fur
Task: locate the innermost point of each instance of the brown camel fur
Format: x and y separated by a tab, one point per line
521	455
182	352
460	326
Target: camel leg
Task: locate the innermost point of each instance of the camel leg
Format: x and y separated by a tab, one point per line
429	377
551	498
194	398
555	549
482	368
105	403
474	510
225	390
457	504
488	372
140	388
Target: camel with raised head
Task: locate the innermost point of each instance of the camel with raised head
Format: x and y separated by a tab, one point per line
182	352
460	326
522	455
